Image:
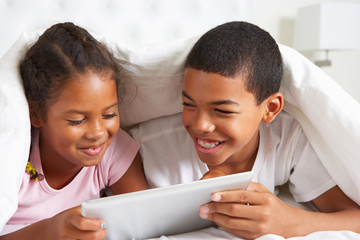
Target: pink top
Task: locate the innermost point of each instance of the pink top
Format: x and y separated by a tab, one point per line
37	200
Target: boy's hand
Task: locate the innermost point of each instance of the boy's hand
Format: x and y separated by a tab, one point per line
70	224
249	213
212	174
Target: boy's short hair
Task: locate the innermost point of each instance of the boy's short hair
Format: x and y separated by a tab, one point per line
240	48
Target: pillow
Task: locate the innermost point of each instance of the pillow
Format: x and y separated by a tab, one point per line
329	116
14	129
157	71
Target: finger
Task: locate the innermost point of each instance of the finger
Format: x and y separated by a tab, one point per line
84	223
85	235
230	209
238	224
87	224
240	196
248	227
87	229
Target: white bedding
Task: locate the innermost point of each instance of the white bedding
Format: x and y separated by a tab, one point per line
219	234
329	116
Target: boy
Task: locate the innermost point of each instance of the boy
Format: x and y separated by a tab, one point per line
233	113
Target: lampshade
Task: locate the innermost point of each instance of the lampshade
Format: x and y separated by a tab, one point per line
328	26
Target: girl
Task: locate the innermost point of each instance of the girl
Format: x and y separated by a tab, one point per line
72	84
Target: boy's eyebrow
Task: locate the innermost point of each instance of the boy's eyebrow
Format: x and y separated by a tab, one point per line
221	102
186	95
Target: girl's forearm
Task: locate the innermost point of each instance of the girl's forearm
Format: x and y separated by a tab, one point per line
34	231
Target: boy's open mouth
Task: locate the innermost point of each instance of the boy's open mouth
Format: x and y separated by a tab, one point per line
208	144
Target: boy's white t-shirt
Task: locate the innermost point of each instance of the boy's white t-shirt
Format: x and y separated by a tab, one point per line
284	155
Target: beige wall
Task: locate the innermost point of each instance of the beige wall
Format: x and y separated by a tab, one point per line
278	18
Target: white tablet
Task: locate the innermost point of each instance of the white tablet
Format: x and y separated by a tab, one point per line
160	211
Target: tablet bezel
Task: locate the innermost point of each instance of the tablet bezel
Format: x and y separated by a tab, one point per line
160	211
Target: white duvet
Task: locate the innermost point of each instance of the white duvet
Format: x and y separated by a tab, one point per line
215	233
329	116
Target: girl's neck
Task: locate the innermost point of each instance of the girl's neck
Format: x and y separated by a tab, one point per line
58	179
57	171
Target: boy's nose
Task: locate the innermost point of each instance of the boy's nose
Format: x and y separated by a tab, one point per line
202	124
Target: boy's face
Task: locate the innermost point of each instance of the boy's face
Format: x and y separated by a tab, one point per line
221	117
81	123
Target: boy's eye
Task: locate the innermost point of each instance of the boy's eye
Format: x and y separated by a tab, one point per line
187	104
223	111
107	116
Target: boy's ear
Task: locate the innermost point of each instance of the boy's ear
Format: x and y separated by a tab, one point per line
35	117
274	105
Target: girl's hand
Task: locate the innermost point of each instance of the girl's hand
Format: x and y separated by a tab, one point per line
70	224
67	225
250	213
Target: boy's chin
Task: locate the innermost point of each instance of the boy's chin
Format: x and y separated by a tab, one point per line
210	160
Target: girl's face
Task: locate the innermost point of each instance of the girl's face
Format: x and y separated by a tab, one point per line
81	123
221	117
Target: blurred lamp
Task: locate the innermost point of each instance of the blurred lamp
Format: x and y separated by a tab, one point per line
328	26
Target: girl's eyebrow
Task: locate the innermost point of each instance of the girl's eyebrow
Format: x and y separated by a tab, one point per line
221	102
113	105
82	112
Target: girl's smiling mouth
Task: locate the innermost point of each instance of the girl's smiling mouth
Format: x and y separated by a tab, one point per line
93	150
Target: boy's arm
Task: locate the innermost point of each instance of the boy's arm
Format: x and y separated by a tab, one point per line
344	214
68	225
255	212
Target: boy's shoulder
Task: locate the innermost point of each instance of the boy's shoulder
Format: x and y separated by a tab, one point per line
284	130
285	118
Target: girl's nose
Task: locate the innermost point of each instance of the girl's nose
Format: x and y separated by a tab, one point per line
202	123
96	130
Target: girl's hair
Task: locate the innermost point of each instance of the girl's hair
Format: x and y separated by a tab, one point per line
240	48
61	53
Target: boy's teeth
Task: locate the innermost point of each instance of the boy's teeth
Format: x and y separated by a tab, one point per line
207	144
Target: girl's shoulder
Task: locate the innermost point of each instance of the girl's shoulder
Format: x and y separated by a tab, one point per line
118	157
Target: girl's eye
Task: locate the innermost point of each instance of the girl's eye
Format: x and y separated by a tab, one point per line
107	116
76	122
